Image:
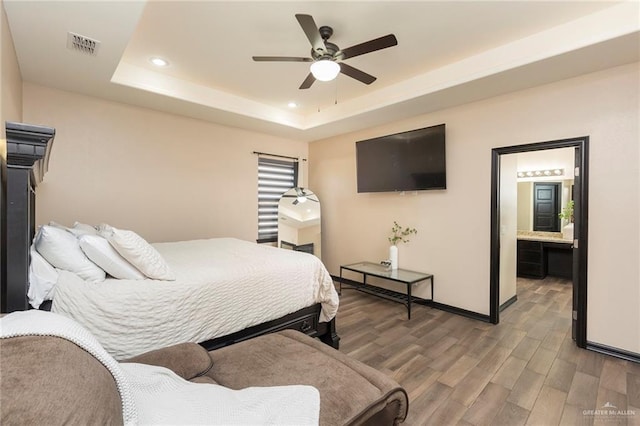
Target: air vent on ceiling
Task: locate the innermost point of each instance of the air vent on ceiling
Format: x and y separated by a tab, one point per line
82	44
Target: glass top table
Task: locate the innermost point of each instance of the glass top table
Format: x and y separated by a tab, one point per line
404	276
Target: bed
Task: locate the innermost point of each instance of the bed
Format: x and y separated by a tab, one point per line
28	152
224	290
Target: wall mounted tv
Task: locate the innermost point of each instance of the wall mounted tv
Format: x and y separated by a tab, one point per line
408	161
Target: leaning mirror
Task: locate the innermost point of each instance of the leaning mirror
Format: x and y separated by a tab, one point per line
299	221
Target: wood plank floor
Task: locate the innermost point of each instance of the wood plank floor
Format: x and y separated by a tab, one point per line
459	371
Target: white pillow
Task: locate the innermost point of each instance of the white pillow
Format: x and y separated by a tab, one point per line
100	252
80	229
42	279
62	250
58	225
138	252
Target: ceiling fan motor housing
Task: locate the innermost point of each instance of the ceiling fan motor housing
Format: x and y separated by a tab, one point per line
330	52
325	32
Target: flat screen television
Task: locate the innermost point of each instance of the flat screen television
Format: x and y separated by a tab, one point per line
408	161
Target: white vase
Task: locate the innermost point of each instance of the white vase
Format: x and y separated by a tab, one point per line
567	232
393	256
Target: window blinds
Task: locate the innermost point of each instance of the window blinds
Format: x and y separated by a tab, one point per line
275	177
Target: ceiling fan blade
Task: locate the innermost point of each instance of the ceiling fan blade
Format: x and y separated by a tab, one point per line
280	59
311	30
308	81
369	46
356	73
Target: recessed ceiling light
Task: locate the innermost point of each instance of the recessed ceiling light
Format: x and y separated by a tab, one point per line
159	62
292	104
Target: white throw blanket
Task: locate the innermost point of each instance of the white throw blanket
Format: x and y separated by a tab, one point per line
156	395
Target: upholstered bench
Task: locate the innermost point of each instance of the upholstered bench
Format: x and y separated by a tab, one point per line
51	380
351	393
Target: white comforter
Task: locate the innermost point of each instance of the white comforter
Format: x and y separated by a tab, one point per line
223	285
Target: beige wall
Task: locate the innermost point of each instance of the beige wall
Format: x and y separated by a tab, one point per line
508	226
454	225
10	78
165	176
525	206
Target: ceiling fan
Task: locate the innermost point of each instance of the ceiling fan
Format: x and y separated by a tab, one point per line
327	57
301	196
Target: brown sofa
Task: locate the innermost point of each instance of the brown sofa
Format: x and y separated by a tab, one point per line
49	380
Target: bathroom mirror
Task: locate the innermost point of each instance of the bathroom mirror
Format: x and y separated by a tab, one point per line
299	221
544	187
528	205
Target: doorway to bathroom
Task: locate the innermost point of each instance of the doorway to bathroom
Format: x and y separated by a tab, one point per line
504	224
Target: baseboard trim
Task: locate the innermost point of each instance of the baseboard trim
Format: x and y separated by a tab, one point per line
460	311
508	303
345	281
436	305
615	352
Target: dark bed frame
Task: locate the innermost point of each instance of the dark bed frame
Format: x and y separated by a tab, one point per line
28	149
305	320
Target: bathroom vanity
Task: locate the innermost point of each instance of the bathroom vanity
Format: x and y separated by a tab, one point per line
542	254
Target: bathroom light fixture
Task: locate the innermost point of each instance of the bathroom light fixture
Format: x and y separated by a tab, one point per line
292	104
325	70
541	173
159	62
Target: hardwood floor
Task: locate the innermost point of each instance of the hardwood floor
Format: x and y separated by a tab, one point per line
525	370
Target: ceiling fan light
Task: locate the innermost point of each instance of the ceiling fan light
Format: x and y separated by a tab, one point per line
325	70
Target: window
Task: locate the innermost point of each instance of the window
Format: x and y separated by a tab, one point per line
275	177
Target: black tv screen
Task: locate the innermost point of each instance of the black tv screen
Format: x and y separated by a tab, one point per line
408	161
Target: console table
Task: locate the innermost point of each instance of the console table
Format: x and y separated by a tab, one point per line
404	276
